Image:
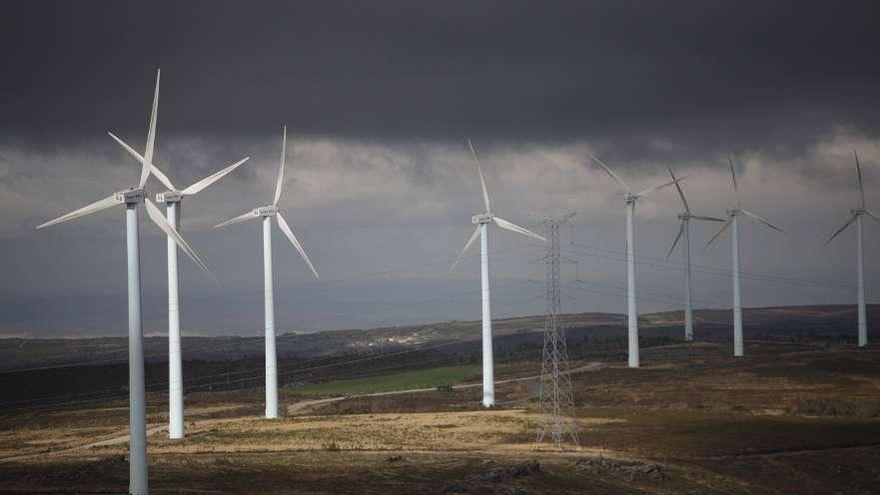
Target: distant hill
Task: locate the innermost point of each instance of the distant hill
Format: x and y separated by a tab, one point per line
781	322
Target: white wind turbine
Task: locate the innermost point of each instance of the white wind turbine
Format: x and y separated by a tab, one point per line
733	219
173	205
856	217
131	198
630	199
684	229
482	231
266	212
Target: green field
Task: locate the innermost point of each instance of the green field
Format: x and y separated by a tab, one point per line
426	378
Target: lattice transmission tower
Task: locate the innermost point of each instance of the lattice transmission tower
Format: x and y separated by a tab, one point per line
555	395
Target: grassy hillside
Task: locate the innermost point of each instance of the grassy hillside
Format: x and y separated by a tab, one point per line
427	378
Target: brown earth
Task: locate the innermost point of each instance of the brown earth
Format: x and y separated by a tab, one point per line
787	418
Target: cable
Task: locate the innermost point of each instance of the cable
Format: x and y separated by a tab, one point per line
512	254
621	256
60	399
596	291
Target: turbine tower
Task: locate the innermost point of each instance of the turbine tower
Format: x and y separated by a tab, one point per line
266	213
482	231
630	199
733	215
131	198
684	229
173	204
856	217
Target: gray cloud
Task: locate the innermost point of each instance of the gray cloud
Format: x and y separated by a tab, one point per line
710	75
383	222
378	98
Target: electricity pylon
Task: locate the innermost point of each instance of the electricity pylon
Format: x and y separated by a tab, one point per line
555	396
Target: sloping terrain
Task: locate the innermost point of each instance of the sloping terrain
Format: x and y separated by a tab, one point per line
787	418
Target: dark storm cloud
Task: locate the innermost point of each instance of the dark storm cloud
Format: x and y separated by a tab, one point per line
378	96
711	75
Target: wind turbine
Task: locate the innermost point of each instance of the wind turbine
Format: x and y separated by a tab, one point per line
733	215
856	217
482	231
684	229
266	213
630	199
131	198
173	205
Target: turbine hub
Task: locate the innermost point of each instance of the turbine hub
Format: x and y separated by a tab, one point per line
732	212
131	196
684	216
482	218
169	197
857	211
267	211
629	197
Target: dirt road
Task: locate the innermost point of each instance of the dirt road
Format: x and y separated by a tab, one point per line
296	408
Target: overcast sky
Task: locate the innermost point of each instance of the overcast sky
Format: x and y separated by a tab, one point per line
378	98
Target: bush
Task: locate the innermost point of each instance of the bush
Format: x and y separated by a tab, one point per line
825	406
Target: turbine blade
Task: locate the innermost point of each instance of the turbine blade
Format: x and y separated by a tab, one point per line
241	218
733	177
609	171
872	214
151	136
719	232
207	181
849	222
480	173
710	219
661	186
159	219
687	207
153	169
281	166
289	233
95	207
859	173
504	224
765	222
466	247
677	237
162	177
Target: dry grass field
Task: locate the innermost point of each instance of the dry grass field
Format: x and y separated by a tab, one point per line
787	418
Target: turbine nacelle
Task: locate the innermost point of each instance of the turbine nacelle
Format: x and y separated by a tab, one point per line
482	218
732	212
131	196
266	211
169	197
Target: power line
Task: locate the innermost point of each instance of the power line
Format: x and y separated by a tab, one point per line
158	386
654	296
337	316
709	270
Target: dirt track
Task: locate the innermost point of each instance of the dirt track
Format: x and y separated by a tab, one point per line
297	408
783	420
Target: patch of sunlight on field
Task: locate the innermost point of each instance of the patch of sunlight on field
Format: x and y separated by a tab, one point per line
426	378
